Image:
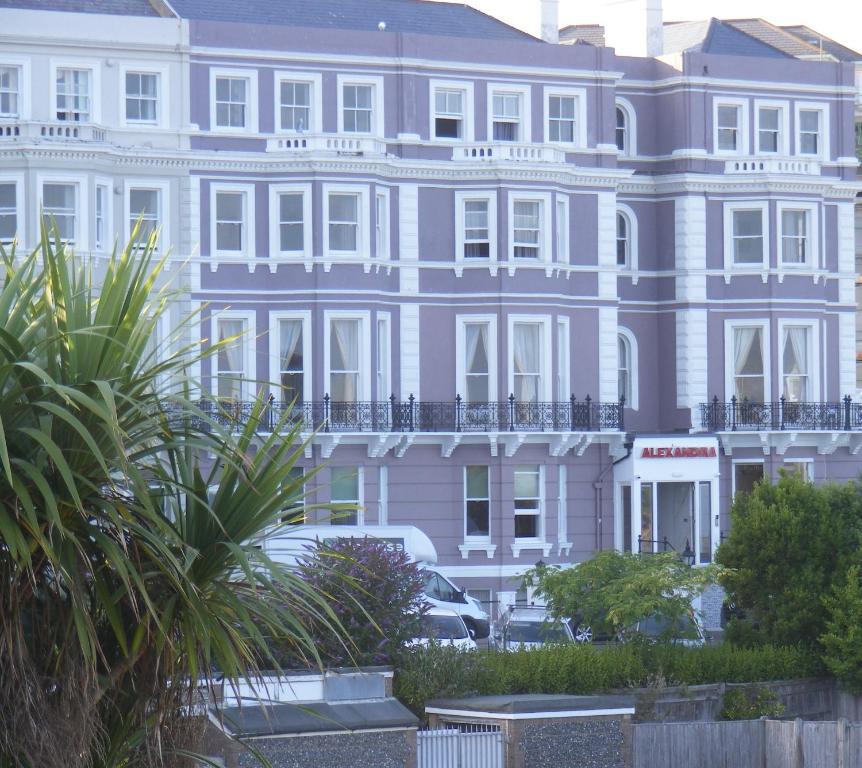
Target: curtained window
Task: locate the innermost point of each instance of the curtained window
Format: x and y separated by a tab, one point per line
624	369
526	228
749	376
794	358
291	362
344	374
622	130
477	366
230	359
477	244
8	213
794	237
527	362
73	95
623	244
506	116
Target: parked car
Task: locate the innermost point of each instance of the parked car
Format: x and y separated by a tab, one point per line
442	593
685	631
446	627
530	627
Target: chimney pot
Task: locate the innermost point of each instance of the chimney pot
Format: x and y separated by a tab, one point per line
551	21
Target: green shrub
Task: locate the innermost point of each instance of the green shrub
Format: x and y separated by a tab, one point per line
842	641
751	703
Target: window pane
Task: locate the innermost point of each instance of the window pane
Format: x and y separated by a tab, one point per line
343	208
527	482
8	214
477	482
344	484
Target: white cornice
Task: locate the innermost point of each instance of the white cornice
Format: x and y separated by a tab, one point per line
699	183
626	85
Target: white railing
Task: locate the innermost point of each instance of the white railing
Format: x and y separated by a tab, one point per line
38	130
348	145
793	165
502	152
481	747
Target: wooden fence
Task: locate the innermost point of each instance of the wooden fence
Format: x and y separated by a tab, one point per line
747	744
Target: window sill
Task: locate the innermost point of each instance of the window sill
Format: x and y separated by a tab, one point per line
531	545
474	546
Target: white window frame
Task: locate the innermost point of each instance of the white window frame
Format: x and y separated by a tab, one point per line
540	537
249	349
248	245
746	205
315	98
631	141
734	462
562	226
365	370
563	361
742	106
546	234
580	132
363	236
275	191
814	361
382	233
729	367
806	463
163	94
461	323
22	63
631	343
811	211
383	327
526	117
783	126
632	221
164	189
101	181
20	209
82	205
461	198
377	103
471	538
815	106
468	125
251	103
360	487
275	318
95	68
547	383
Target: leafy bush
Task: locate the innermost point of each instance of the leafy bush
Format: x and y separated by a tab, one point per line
583	669
788	544
842	641
750	703
614	590
375	592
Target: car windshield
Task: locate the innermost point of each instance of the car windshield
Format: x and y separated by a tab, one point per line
659	626
535	632
443	627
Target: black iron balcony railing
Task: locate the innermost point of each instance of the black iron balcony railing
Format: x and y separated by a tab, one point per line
745	415
413	415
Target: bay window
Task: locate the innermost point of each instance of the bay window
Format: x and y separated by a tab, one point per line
528	501
345	385
343	222
291	359
449	113
477	502
345	487
231	371
73	94
231	235
730	126
144	207
796	364
477	366
291	224
527	363
749	363
477	241
294	108
60	208
8	213
746	227
357	108
526	229
562	111
10	91
809	132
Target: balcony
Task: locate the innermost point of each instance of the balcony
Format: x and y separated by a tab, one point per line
746	416
414	416
508	153
780	165
51	130
301	143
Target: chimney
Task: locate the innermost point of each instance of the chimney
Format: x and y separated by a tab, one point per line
654	28
551	21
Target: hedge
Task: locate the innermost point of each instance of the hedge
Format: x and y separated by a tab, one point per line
427	673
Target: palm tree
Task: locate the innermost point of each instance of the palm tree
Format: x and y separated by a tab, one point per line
123	585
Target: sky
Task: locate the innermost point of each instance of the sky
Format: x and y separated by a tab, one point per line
838	19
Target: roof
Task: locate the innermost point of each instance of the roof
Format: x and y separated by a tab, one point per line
416	16
315	717
715	36
811	36
112	7
775	36
592	34
536	703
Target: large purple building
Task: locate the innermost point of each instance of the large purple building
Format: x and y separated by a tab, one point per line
538	299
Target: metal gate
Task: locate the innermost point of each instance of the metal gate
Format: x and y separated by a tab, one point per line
465	745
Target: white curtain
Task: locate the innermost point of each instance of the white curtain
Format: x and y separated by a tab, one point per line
477	363
525	354
230	359
344	361
748	379
795	356
291	338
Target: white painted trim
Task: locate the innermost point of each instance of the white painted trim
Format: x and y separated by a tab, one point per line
249	349
251	110
631	126
248	251
163	187
383	495
823	107
25	98
384	319
546	383
531	715
461	321
734	462
18	179
163	94
524	91
631	343
812	211
382	245
82	204
562	228
274	363
478	543
606	346
633	237
364	318
468	127
315	98
580	133
815	368
692	360
461	198
745	205
363	214
783	126
275	190
360	488
546	239
110	225
563	360
719	100
377	109
729	367
95	68
410	342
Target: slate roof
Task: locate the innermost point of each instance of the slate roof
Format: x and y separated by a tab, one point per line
593	34
836	50
775	36
112	7
417	16
715	36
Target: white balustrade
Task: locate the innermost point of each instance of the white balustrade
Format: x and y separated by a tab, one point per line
512	153
348	145
42	130
782	165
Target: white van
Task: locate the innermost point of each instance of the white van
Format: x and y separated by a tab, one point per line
445	627
292	543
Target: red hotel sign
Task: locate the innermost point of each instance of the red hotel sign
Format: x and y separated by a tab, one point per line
688	452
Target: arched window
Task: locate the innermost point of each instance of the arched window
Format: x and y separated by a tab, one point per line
623	240
627	373
625	127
